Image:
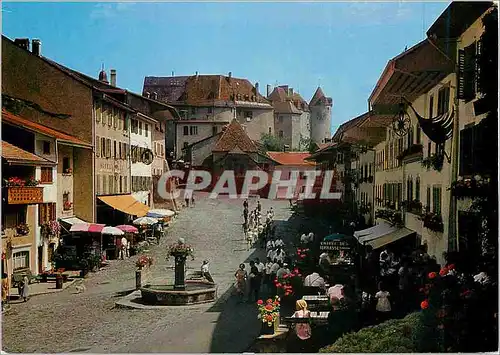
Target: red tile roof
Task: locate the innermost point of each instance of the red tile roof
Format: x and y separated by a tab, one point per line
281	95
203	90
9	117
286	107
235	137
318	97
14	154
290	158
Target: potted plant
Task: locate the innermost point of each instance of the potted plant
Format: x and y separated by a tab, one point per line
68	205
269	314
180	250
144	261
68	171
22	229
14	182
32	182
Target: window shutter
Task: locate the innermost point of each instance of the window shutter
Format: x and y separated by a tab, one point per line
479	45
428	199
461	71
469	72
97	146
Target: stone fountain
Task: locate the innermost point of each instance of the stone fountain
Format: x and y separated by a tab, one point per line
183	292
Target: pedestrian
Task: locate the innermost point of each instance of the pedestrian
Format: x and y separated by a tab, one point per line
245	215
123	247
205	271
186	200
192	200
290	201
245	204
268	281
383	306
241	279
283	270
159	232
303	330
255	282
269	245
127	250
259	207
23	288
274	269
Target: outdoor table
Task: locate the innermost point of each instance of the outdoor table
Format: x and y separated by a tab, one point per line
315	317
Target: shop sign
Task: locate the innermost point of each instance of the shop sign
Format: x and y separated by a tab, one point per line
335	245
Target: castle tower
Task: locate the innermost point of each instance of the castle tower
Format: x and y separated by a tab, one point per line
321	117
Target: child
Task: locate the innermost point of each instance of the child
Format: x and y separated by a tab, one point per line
383	307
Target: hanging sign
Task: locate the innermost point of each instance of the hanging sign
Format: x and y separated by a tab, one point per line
335	245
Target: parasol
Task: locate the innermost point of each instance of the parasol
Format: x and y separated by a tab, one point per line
145	221
112	231
160	213
87	227
127	228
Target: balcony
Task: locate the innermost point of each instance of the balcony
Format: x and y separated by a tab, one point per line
24	195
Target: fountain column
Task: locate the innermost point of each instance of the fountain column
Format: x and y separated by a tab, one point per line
180	272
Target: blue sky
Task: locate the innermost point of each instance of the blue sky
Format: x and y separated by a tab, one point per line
342	46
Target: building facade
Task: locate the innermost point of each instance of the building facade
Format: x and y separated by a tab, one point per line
320	108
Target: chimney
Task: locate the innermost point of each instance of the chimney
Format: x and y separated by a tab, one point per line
257	88
268	90
229	75
172	73
155	95
113	77
290	92
36	47
24	43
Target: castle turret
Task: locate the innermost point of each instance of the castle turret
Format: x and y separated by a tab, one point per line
321	117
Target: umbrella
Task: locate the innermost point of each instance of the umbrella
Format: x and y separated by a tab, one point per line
335	236
128	228
87	227
160	213
112	231
144	221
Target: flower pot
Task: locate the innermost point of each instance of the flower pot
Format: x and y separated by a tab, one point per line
267	329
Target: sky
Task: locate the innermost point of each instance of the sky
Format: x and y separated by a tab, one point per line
341	46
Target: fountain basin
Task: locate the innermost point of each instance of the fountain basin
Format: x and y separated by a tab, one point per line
196	292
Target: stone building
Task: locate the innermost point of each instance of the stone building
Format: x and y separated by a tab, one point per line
208	102
320	108
291	118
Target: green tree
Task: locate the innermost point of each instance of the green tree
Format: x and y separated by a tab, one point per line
271	142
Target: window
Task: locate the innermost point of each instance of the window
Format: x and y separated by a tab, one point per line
469	72
418	132
103	147
125	186
155	150
280	119
46	147
140	127
21	260
104	184
46	177
110	116
115	118
429	149
470	151
436	199
214	130
248	115
66	201
186	130
428	199
443	100
110	179
97	146
280	134
146	129
431	106
409	190
125	122
193	130
417	189
98	112
270	130
121	185
193	110
104	114
46	212
410	137
134	126
108	148
120	154
66	165
99	186
210	110
114	150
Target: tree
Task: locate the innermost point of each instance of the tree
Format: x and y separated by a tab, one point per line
271	143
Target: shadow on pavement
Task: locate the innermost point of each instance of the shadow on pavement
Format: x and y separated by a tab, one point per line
237	326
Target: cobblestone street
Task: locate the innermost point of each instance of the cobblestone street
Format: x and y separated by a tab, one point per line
88	321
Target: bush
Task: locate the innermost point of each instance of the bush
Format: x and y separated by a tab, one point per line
393	336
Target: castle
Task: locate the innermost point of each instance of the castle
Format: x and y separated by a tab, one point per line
206	103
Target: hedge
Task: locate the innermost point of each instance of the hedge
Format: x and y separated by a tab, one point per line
393	336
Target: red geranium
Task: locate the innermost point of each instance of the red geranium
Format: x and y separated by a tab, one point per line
432	275
259	302
443	272
424	304
451	267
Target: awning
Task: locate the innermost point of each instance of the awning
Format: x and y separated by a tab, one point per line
125	203
374	232
72	220
390	238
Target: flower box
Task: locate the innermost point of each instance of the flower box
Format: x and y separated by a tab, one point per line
435	161
471	187
269	314
433	221
22	229
21	195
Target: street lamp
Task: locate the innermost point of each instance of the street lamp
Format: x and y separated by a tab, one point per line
401	122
